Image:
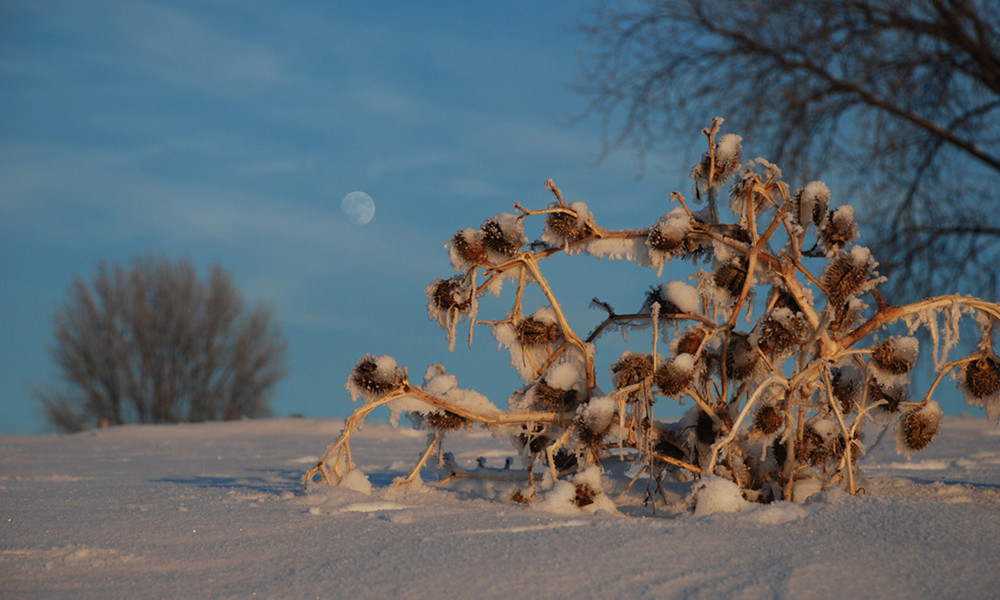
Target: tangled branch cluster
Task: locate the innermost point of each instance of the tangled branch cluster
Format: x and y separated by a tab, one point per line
780	408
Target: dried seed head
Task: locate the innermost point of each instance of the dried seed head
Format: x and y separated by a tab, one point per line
845	390
768	419
589	437
839	228
780	331
444	421
896	355
502	234
631	368
982	377
532	332
655	296
812	202
520	498
584	495
812	448
731	277
893	396
668	234
741	357
673	376
467	245
689	343
847	274
918	427
374	377
564	226
448	294
564	459
704	428
554	399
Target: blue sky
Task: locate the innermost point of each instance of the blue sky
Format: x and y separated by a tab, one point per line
228	132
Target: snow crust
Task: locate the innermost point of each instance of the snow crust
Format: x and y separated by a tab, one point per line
218	511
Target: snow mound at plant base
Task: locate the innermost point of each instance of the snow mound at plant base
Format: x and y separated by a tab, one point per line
218	510
714	495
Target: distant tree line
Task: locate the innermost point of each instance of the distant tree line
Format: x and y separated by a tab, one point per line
151	343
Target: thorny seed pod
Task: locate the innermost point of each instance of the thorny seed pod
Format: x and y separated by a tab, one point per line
780	331
374	377
811	203
468	247
673	376
502	234
982	377
444	421
847	274
564	226
655	296
448	294
728	151
584	495
668	234
532	332
520	498
845	391
918	427
768	419
588	437
690	342
668	443
895	355
731	276
813	448
554	399
839	228
704	428
892	395
741	357
564	459
631	368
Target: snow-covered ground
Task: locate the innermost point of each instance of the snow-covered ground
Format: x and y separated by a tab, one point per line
218	510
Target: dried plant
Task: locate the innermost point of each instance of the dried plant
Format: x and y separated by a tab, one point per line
780	405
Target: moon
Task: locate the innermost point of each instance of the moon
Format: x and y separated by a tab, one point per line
358	208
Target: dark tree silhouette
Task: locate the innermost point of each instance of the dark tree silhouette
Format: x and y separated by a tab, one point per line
154	344
898	101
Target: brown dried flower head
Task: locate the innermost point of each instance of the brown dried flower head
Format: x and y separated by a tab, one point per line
584	495
982	377
555	399
690	342
631	368
768	419
372	381
447	294
468	244
444	421
532	332
504	243
847	274
673	376
731	276
895	355
565	225
919	427
741	357
780	331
